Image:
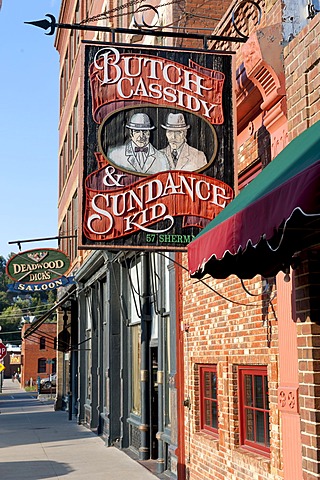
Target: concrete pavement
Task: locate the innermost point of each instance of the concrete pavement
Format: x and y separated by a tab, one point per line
38	443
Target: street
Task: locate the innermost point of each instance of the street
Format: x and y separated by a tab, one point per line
37	443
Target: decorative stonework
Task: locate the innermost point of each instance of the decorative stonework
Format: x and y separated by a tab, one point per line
288	399
262	56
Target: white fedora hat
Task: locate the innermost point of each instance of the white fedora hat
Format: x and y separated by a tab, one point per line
175	121
140	121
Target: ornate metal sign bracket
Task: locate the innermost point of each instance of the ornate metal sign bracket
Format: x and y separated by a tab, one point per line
146	29
58	237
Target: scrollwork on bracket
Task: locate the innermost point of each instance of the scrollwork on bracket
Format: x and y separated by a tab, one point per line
235	10
143	23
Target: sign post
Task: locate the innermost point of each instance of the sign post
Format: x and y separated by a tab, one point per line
3	351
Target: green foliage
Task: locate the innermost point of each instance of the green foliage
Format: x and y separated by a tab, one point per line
5	301
19	308
34	388
10	321
4	280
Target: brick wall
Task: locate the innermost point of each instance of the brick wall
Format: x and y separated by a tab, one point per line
302	66
308	331
225	326
200	15
238	329
31	352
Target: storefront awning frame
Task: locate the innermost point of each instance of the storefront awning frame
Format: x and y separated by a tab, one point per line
263	228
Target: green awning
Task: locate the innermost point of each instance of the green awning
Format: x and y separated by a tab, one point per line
270	221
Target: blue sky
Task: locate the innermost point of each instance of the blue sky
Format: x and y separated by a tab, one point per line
29	105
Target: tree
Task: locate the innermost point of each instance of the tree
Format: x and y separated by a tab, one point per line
10	321
18	308
3	277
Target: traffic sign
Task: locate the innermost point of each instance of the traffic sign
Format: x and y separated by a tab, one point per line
2	367
3	350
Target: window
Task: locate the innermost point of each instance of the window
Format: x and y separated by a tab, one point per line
246	176
62	88
42	343
208	399
69	232
74	224
77	20
65	159
71	50
70	144
53	365
254	408
135	369
61	180
75	126
42	365
63	241
66	70
134	290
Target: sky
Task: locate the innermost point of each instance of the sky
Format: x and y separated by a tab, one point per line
29	108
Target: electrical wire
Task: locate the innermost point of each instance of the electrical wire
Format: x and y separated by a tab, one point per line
26	310
109	13
211	288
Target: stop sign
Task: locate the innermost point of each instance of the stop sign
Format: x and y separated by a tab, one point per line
3	350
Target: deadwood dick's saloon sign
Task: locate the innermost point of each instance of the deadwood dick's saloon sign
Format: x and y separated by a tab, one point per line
38	270
158	156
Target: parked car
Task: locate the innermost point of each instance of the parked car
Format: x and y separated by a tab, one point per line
49	382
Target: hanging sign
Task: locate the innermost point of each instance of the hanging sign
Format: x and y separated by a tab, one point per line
45	265
158	158
15	359
40	287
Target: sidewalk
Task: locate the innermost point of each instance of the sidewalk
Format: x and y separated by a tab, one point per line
38	443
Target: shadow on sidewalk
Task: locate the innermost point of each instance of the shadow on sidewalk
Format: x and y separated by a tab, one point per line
40	469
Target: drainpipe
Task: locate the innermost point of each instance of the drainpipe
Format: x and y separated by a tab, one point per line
144	450
160	381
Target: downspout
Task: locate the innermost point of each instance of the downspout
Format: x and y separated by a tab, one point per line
160	381
144	450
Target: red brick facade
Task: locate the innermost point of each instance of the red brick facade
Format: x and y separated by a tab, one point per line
228	323
34	349
231	331
222	324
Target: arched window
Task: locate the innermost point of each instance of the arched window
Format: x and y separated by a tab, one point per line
42	343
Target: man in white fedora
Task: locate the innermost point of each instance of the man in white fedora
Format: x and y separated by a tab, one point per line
181	156
138	154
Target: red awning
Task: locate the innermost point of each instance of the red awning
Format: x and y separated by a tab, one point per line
270	221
